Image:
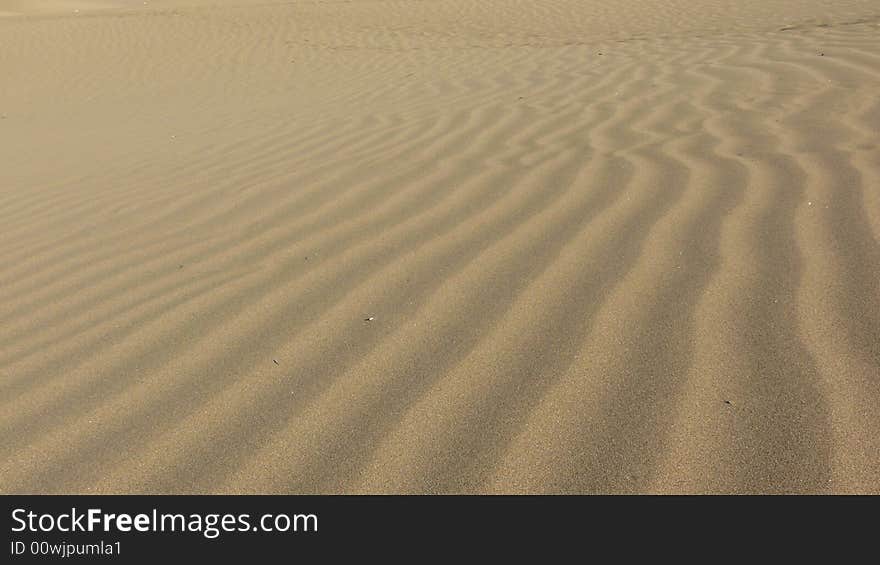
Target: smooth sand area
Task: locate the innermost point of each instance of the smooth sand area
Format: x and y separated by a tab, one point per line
432	246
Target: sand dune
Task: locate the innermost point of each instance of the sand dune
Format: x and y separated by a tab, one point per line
440	246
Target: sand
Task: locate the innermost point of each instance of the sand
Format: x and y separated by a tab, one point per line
440	246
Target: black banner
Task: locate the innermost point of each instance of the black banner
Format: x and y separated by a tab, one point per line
134	528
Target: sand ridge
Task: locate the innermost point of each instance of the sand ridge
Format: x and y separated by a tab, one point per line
449	246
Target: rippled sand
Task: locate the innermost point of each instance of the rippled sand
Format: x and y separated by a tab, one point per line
440	246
